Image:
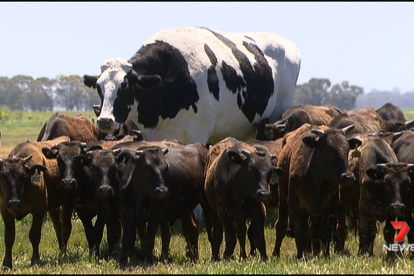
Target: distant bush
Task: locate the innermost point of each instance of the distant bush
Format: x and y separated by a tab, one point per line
5	113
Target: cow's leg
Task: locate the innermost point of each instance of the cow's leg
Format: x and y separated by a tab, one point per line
301	225
241	230
229	234
165	228
9	237
149	240
127	215
281	225
189	225
86	219
389	234
217	235
250	235
110	211
258	218
314	230
35	234
326	231
67	212
367	233
341	228
55	216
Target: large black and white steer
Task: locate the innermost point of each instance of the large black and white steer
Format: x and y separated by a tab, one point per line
199	85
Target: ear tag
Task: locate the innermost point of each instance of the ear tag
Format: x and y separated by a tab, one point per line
35	177
121	166
356	153
274	179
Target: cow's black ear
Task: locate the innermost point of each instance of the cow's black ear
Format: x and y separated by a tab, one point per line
354	143
94	147
375	173
49	153
278	170
310	141
90	81
148	81
32	169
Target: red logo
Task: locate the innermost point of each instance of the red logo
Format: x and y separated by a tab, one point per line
404	230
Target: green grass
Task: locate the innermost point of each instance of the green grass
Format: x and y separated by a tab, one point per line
77	260
26	126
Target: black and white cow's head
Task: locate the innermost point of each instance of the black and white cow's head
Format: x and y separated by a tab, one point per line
109	84
157	78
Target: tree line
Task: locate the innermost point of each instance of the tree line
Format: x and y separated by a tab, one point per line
69	93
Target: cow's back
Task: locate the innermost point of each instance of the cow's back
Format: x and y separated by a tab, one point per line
78	128
218	103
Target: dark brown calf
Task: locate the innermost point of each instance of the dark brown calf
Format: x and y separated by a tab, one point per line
237	182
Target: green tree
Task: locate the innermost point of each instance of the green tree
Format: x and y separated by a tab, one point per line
343	96
10	94
312	92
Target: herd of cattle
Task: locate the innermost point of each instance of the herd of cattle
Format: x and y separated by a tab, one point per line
200	118
314	170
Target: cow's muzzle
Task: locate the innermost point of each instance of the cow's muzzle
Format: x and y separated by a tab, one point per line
161	192
14	204
396	209
263	195
106	124
68	184
106	191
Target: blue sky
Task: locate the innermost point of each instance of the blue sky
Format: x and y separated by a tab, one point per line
369	44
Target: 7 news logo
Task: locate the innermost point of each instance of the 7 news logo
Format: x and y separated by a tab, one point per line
404	229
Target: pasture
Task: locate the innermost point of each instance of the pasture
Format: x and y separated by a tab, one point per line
26	126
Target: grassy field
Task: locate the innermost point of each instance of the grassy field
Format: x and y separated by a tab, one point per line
26	126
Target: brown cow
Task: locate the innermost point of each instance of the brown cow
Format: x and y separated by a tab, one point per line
80	128
236	185
25	191
368	120
314	160
295	117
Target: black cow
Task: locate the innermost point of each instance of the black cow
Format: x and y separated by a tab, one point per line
386	195
159	184
295	117
374	149
215	85
237	182
30	185
314	160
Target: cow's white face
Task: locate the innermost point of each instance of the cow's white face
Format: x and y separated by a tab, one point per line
109	82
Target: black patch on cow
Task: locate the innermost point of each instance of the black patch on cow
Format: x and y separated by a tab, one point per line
177	89
257	86
212	79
